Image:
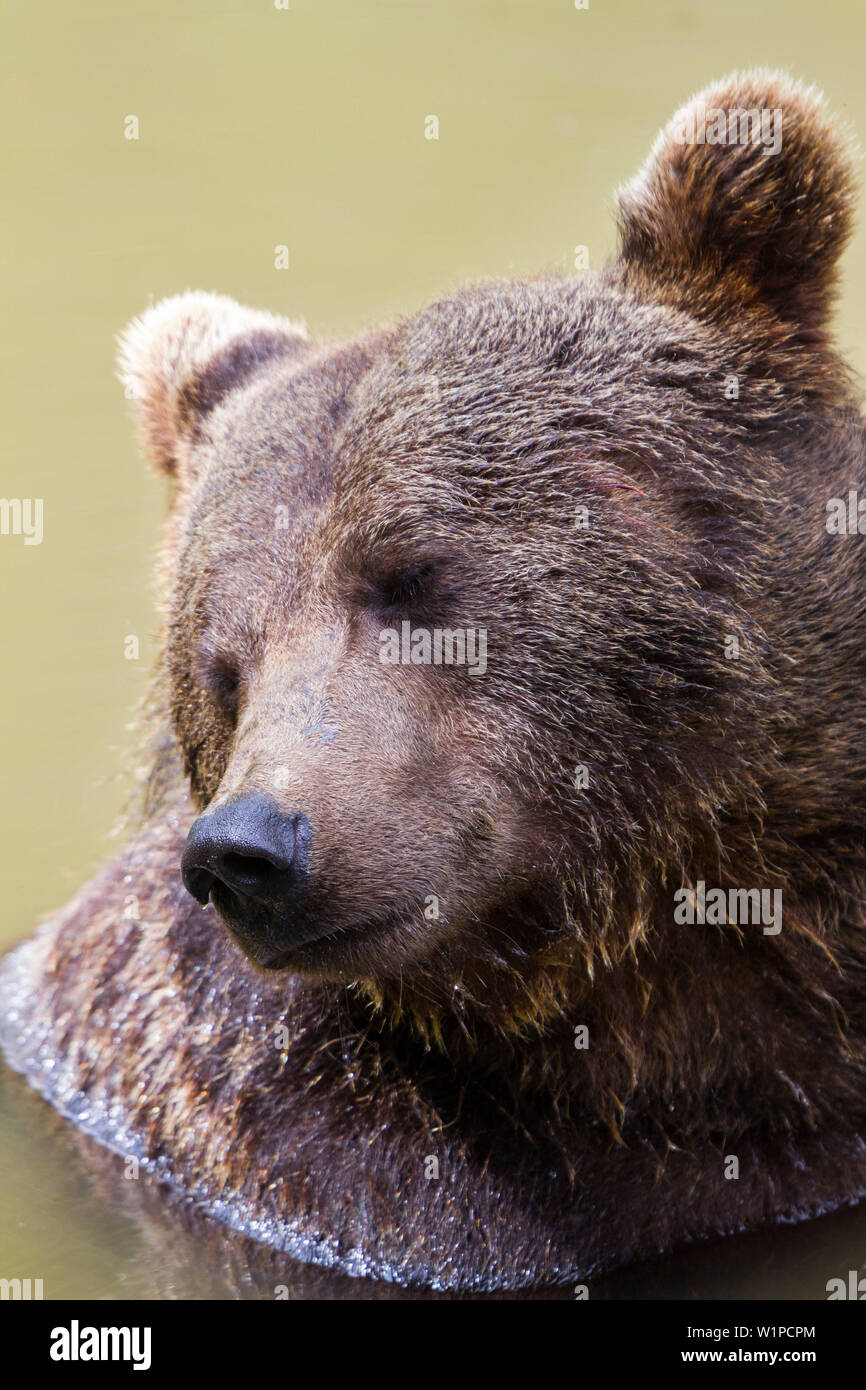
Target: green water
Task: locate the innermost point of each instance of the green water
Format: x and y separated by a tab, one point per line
261	127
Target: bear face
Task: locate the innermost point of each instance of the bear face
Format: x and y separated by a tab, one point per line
307	543
551	484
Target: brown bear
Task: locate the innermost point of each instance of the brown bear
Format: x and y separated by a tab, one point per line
497	914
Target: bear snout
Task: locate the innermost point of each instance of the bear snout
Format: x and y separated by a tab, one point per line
250	860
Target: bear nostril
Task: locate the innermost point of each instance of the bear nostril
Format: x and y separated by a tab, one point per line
198	882
248	866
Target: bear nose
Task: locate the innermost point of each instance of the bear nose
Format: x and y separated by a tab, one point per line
249	846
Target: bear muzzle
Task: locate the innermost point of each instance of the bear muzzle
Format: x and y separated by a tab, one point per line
251	861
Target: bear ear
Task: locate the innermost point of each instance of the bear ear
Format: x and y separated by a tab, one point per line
745	202
183	355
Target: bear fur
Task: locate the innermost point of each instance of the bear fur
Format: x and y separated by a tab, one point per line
622	479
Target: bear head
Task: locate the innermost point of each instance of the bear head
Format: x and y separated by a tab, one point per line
450	608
